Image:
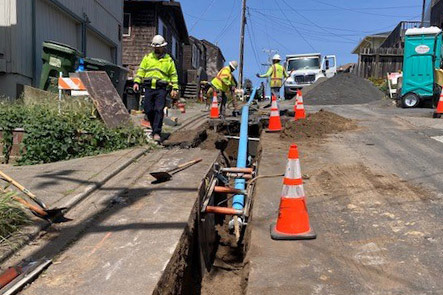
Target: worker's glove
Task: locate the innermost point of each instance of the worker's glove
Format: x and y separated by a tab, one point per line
258	75
136	87
174	93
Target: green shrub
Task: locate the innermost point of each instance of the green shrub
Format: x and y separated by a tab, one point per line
50	136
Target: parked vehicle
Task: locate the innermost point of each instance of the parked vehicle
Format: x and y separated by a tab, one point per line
305	69
421	64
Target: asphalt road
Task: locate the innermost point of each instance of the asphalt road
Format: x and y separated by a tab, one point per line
374	197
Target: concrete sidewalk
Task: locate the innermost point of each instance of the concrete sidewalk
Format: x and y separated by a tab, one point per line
57	182
134	243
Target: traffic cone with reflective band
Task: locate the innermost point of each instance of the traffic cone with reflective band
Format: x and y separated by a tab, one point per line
274	118
439	110
215	113
300	109
293	219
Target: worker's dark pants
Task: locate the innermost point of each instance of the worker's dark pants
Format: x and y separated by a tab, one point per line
154	104
275	91
223	99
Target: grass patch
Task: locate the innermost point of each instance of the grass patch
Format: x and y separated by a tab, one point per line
12	215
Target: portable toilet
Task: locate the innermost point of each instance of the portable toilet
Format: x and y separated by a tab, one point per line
422	55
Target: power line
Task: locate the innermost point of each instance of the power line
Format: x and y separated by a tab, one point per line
314	35
313	23
204	12
304	39
335	9
225	29
254	50
356	10
204	19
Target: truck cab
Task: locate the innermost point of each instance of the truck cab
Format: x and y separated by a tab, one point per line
305	69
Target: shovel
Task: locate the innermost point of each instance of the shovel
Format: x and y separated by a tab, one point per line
55	214
162	176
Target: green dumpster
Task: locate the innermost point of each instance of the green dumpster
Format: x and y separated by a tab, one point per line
116	73
57	57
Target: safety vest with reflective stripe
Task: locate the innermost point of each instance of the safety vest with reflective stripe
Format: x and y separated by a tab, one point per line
224	80
276	72
157	70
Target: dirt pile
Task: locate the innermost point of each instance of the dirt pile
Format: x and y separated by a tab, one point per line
316	125
343	89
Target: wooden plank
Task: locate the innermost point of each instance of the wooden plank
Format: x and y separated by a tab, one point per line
105	98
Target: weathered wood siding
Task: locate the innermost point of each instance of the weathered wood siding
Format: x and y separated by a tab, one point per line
376	63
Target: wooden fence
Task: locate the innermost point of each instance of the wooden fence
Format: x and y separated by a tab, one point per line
377	62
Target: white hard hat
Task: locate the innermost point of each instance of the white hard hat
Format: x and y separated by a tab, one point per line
233	64
276	57
158	41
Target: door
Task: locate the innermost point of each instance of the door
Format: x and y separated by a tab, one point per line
329	66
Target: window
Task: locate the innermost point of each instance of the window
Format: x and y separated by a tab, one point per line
304	63
195	56
127	24
161	29
174	48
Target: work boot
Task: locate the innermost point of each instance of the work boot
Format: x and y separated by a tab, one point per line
157	138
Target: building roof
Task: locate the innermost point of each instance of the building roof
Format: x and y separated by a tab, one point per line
178	16
370	39
207	43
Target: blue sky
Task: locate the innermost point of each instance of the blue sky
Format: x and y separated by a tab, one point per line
293	26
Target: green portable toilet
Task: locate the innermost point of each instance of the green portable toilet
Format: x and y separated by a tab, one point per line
422	54
57	57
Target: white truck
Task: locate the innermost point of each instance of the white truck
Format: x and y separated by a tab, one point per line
305	69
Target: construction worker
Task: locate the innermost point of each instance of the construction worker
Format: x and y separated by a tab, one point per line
276	72
158	74
224	83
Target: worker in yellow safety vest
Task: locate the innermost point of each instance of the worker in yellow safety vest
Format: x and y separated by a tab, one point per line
276	72
224	83
157	73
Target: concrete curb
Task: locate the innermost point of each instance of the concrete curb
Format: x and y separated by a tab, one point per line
33	231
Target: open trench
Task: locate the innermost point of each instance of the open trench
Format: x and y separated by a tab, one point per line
209	258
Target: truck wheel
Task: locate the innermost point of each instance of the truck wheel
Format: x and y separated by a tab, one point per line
410	100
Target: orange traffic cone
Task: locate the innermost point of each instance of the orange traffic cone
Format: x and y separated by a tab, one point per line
293	218
274	118
215	113
439	110
300	109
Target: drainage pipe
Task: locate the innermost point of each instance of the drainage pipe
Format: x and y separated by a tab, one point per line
238	202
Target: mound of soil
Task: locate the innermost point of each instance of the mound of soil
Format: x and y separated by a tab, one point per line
316	125
343	89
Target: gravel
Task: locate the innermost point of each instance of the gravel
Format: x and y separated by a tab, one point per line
343	89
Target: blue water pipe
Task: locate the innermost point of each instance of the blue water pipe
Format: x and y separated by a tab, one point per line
238	202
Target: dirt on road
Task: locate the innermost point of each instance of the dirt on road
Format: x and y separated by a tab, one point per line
316	126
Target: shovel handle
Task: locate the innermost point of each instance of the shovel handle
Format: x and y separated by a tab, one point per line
22	189
189	163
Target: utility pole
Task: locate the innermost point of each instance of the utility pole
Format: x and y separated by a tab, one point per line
242	44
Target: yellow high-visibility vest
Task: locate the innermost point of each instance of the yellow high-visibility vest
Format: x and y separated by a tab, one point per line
224	80
277	73
157	70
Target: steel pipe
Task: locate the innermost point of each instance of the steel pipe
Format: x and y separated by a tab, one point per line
223	210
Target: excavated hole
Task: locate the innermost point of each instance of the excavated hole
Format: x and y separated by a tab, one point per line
208	259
